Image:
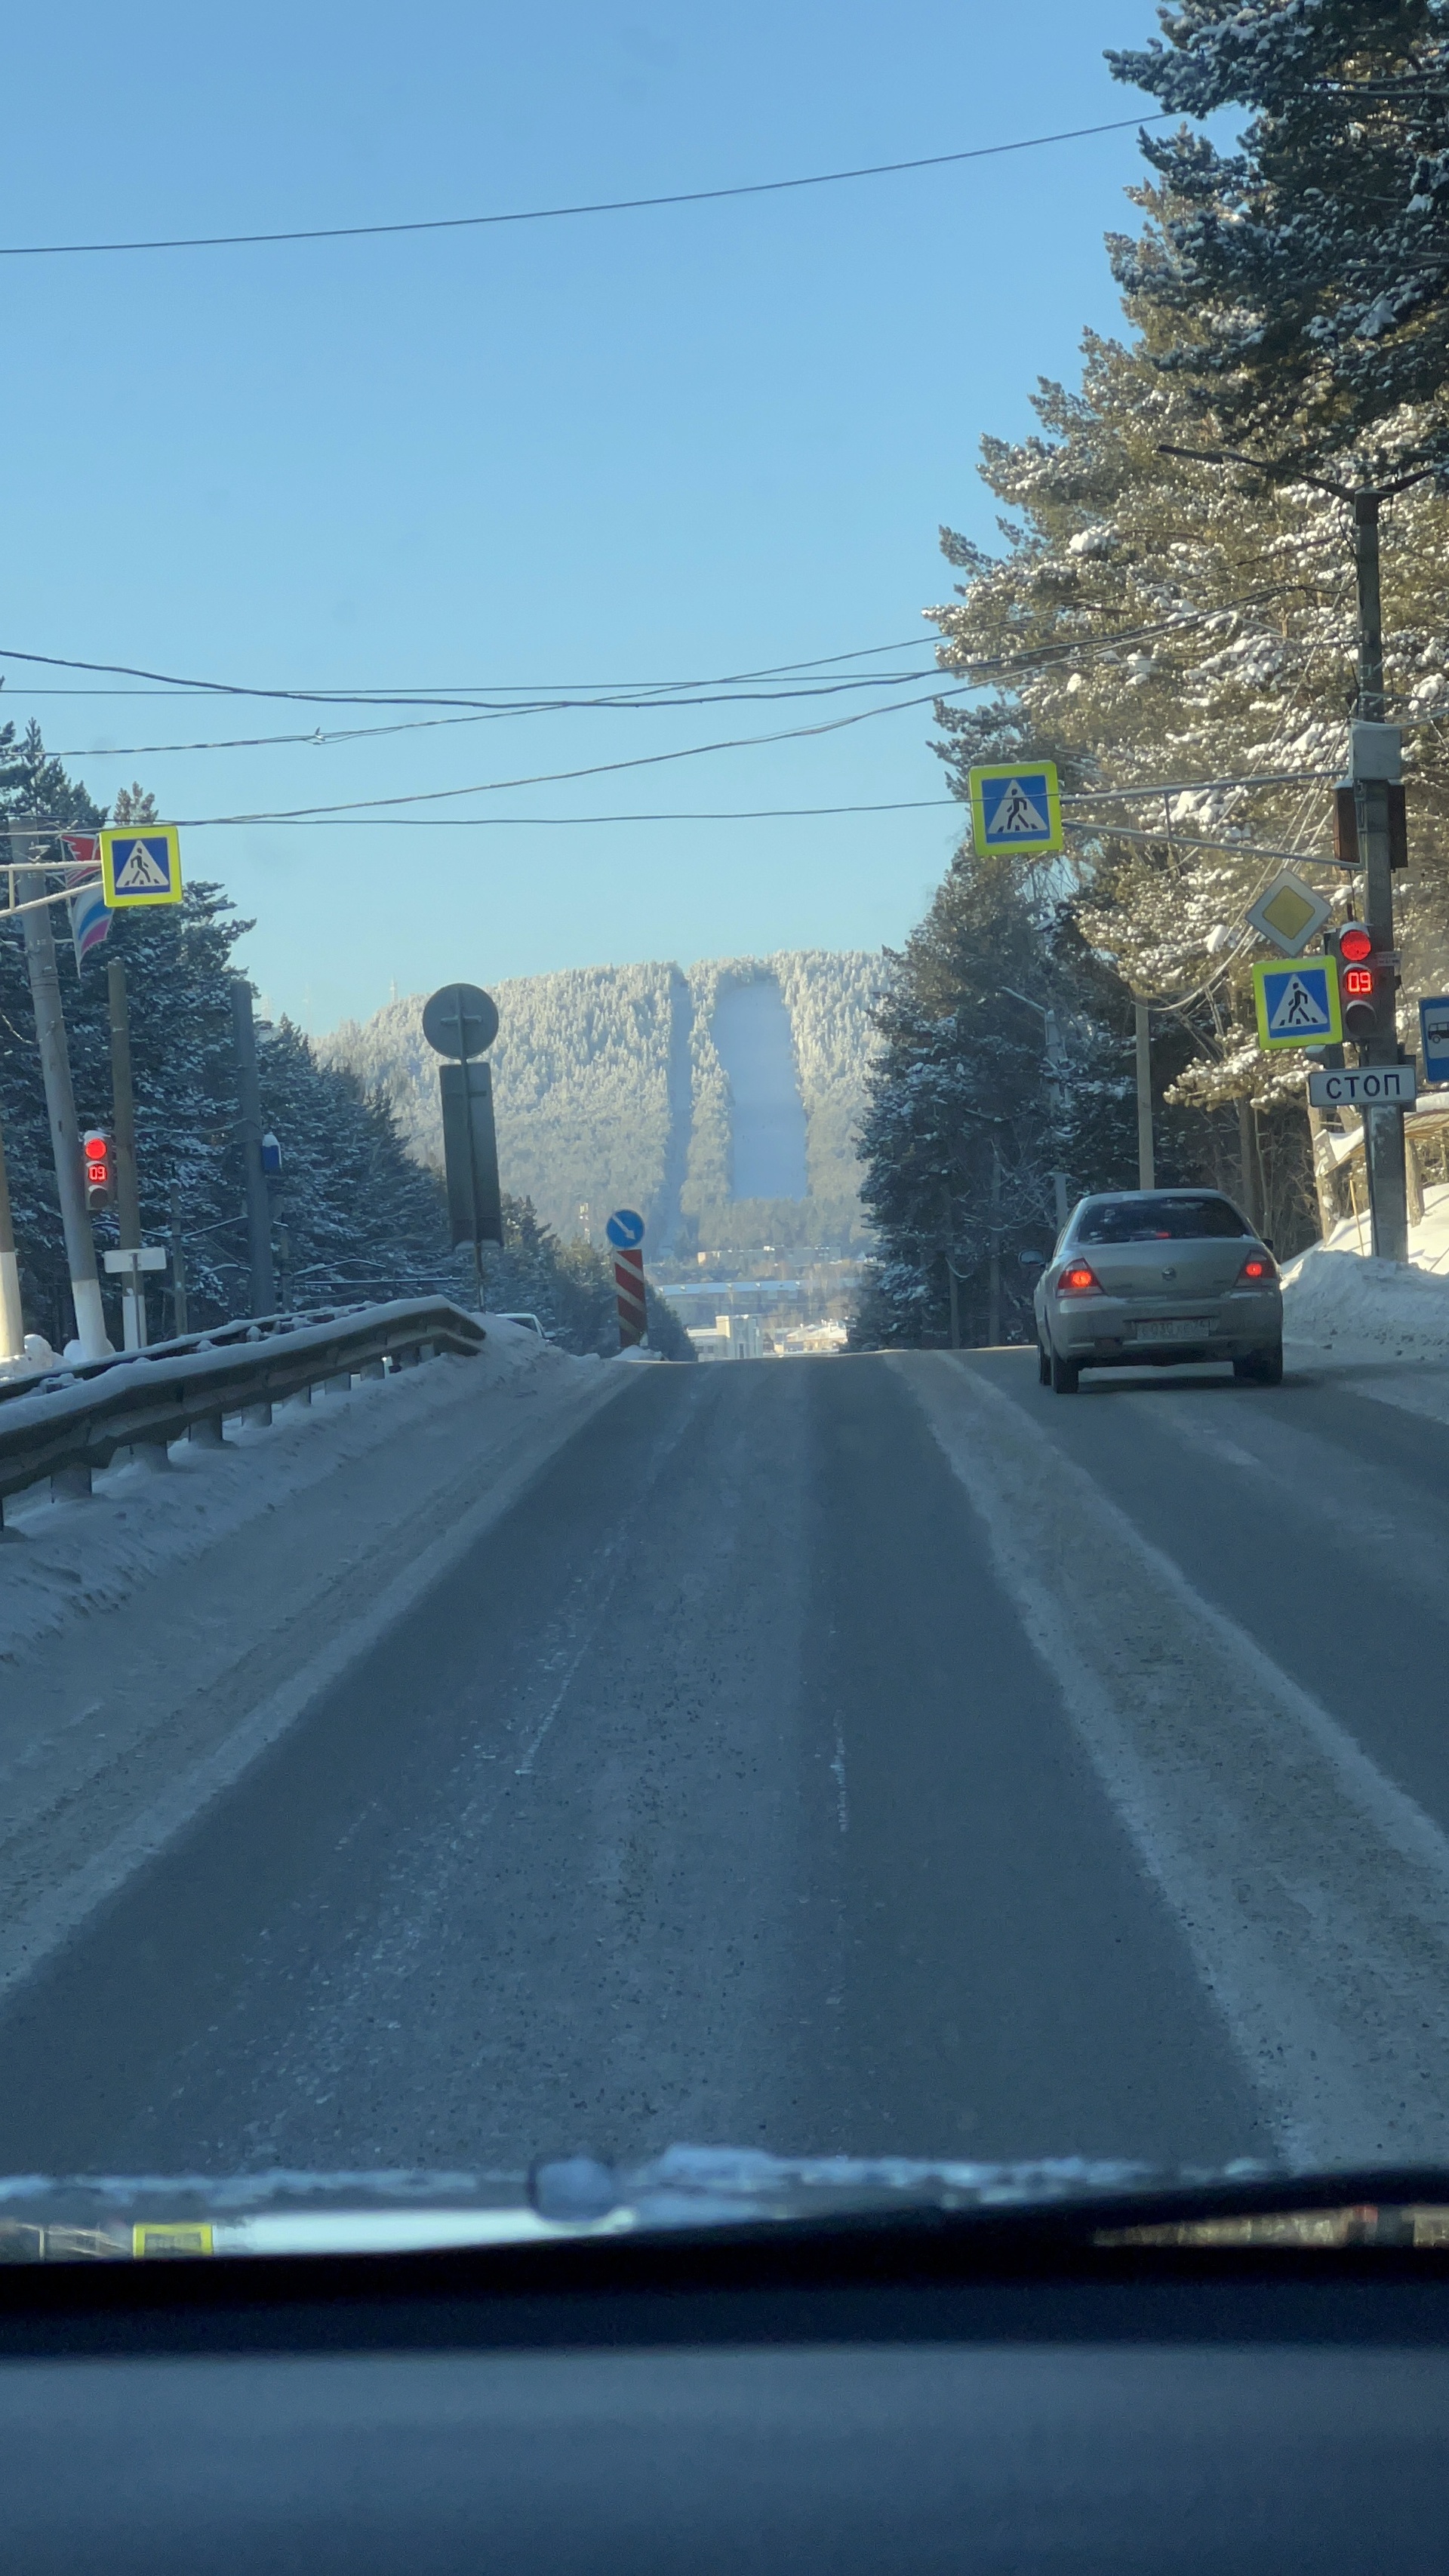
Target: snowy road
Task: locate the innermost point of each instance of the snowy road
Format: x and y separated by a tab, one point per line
875	1754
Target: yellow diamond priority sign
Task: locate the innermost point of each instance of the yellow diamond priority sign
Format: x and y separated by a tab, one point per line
140	864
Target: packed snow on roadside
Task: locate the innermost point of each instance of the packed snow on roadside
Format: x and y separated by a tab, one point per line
1338	1300
70	1558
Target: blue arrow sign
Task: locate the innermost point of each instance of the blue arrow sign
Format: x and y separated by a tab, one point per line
625	1229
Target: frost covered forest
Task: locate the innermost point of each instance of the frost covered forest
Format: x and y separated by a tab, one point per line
609	1091
1180	636
357	1216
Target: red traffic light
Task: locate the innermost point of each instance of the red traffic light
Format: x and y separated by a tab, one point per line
99	1167
1355	944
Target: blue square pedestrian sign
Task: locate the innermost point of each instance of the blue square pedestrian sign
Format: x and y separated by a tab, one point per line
140	863
1434	1031
1016	807
1297	1002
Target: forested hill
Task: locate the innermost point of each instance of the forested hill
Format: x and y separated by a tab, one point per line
726	1122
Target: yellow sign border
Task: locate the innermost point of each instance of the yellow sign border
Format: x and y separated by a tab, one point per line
151	2237
1049	848
1332	1036
126	902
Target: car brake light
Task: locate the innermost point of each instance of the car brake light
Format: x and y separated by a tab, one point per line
1258	1266
1078	1280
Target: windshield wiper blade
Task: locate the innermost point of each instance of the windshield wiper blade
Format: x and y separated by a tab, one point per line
1101	2203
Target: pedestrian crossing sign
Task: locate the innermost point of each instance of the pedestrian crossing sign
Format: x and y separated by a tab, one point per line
1297	1002
1016	806
140	864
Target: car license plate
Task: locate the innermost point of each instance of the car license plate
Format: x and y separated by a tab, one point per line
1173	1328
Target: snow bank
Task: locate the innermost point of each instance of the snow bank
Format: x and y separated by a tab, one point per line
1361	1309
1338	1299
81	1557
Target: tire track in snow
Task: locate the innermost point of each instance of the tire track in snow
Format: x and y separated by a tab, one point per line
1312	1893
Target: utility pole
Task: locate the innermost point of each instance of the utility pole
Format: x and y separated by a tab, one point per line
128	1191
993	1308
179	1315
249	1102
85	1286
1056	1058
12	1321
1374	766
1146	1164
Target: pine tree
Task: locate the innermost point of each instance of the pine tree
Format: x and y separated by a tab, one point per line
360	1218
1152	621
963	1131
1299	286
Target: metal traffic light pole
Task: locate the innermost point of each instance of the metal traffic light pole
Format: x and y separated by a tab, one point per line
128	1193
85	1285
1375	767
12	1319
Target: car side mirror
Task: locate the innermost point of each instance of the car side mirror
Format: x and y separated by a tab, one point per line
1269	1245
1032	1260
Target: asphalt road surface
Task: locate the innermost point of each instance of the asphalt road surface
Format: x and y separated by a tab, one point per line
867	1754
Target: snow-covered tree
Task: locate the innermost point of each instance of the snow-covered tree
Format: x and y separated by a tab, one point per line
1154	624
965	1127
1298	287
363	1219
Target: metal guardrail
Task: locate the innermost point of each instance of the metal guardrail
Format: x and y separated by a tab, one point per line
72	1420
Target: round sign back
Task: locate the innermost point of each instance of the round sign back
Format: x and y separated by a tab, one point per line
624	1229
460	1020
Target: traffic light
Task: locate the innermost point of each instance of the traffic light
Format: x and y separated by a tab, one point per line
1356	979
100	1168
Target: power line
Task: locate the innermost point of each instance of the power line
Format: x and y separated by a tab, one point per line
558	214
527	822
448	695
491	715
592	769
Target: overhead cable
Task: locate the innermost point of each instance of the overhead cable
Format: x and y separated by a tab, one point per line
559	214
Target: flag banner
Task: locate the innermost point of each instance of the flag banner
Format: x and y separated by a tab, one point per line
89	919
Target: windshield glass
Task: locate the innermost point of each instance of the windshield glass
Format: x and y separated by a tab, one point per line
651	737
1161	1220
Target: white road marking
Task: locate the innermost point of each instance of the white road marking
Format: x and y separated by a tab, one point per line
1312	1893
842	1803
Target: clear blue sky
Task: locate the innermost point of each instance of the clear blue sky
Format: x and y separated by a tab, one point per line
646	445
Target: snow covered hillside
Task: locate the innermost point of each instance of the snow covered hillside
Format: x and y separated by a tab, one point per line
727	1121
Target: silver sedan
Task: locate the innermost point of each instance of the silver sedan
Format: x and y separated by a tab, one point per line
1143	1278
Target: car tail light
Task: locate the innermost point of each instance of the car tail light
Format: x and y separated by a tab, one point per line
1257	1270
1078	1281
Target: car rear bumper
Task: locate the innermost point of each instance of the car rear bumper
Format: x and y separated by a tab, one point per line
1100	1332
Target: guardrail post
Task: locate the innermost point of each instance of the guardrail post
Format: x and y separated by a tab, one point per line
260	1413
373	1368
69	1484
207	1433
341	1384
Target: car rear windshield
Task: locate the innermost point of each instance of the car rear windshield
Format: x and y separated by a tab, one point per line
1164	1220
